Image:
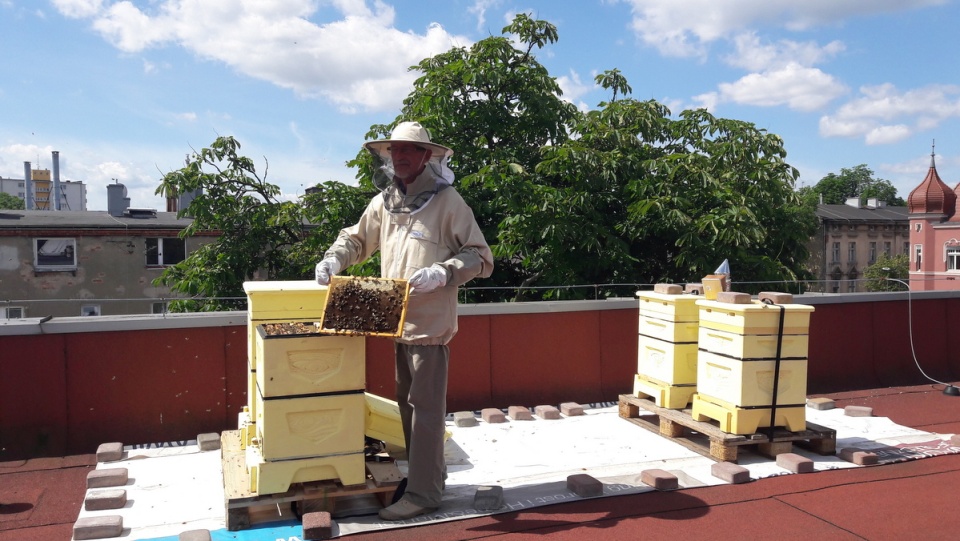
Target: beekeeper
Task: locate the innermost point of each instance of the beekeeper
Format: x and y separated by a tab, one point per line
427	234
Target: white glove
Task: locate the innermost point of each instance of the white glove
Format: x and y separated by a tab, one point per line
429	278
325	269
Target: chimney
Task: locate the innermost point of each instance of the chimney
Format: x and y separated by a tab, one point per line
117	200
28	187
56	181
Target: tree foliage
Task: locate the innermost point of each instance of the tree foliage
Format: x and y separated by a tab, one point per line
888	273
10	202
624	194
855	182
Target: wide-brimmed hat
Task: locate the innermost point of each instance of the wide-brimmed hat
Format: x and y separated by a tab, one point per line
408	132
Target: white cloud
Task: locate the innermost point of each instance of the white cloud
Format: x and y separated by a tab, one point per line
573	88
753	55
479	10
357	59
883	114
797	87
687	28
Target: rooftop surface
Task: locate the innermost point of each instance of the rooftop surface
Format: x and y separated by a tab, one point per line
40	498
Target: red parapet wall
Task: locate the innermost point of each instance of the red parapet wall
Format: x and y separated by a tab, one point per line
69	391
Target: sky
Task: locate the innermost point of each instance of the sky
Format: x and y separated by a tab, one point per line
125	90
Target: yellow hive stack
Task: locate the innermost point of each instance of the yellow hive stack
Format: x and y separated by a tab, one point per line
306	404
667	346
737	362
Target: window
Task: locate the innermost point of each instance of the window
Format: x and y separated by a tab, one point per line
165	251
836	252
90	310
953	258
852	252
873	253
55	254
887	247
917	254
906	248
11	312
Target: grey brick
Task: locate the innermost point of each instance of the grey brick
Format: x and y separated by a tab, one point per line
194	535
547	412
209	441
108	477
464	418
109	452
858	456
794	463
822	404
519	413
100	500
488	498
659	479
98	527
317	525
858	411
730	472
493	415
584	485
571	409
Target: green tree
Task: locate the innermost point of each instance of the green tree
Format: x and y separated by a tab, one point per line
856	182
260	235
10	202
896	268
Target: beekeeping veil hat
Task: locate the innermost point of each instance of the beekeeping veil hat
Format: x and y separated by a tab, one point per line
383	173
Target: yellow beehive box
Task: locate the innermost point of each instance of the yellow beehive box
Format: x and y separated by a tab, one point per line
310	426
750	383
383	420
298	300
300	364
754	318
670	307
670	331
753	346
268	477
673	364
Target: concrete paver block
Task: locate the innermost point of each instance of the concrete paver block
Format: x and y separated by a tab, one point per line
858	456
519	413
693	289
775	297
493	415
822	404
488	498
571	409
464	418
794	463
730	472
317	525
101	527
100	500
732	297
108	477
209	441
858	411
668	289
109	452
659	479
584	485
194	535
547	412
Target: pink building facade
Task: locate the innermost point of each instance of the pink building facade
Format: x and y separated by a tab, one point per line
934	234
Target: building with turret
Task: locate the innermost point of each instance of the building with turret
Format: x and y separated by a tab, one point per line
934	234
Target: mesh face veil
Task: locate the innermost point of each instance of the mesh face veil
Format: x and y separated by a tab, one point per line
396	200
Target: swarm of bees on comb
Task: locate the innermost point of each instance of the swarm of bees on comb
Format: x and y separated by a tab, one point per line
358	305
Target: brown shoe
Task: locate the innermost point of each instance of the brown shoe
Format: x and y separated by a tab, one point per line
404	509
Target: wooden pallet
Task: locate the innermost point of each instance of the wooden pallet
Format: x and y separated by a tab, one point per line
708	440
244	508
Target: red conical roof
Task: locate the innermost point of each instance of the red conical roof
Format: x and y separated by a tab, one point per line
932	196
